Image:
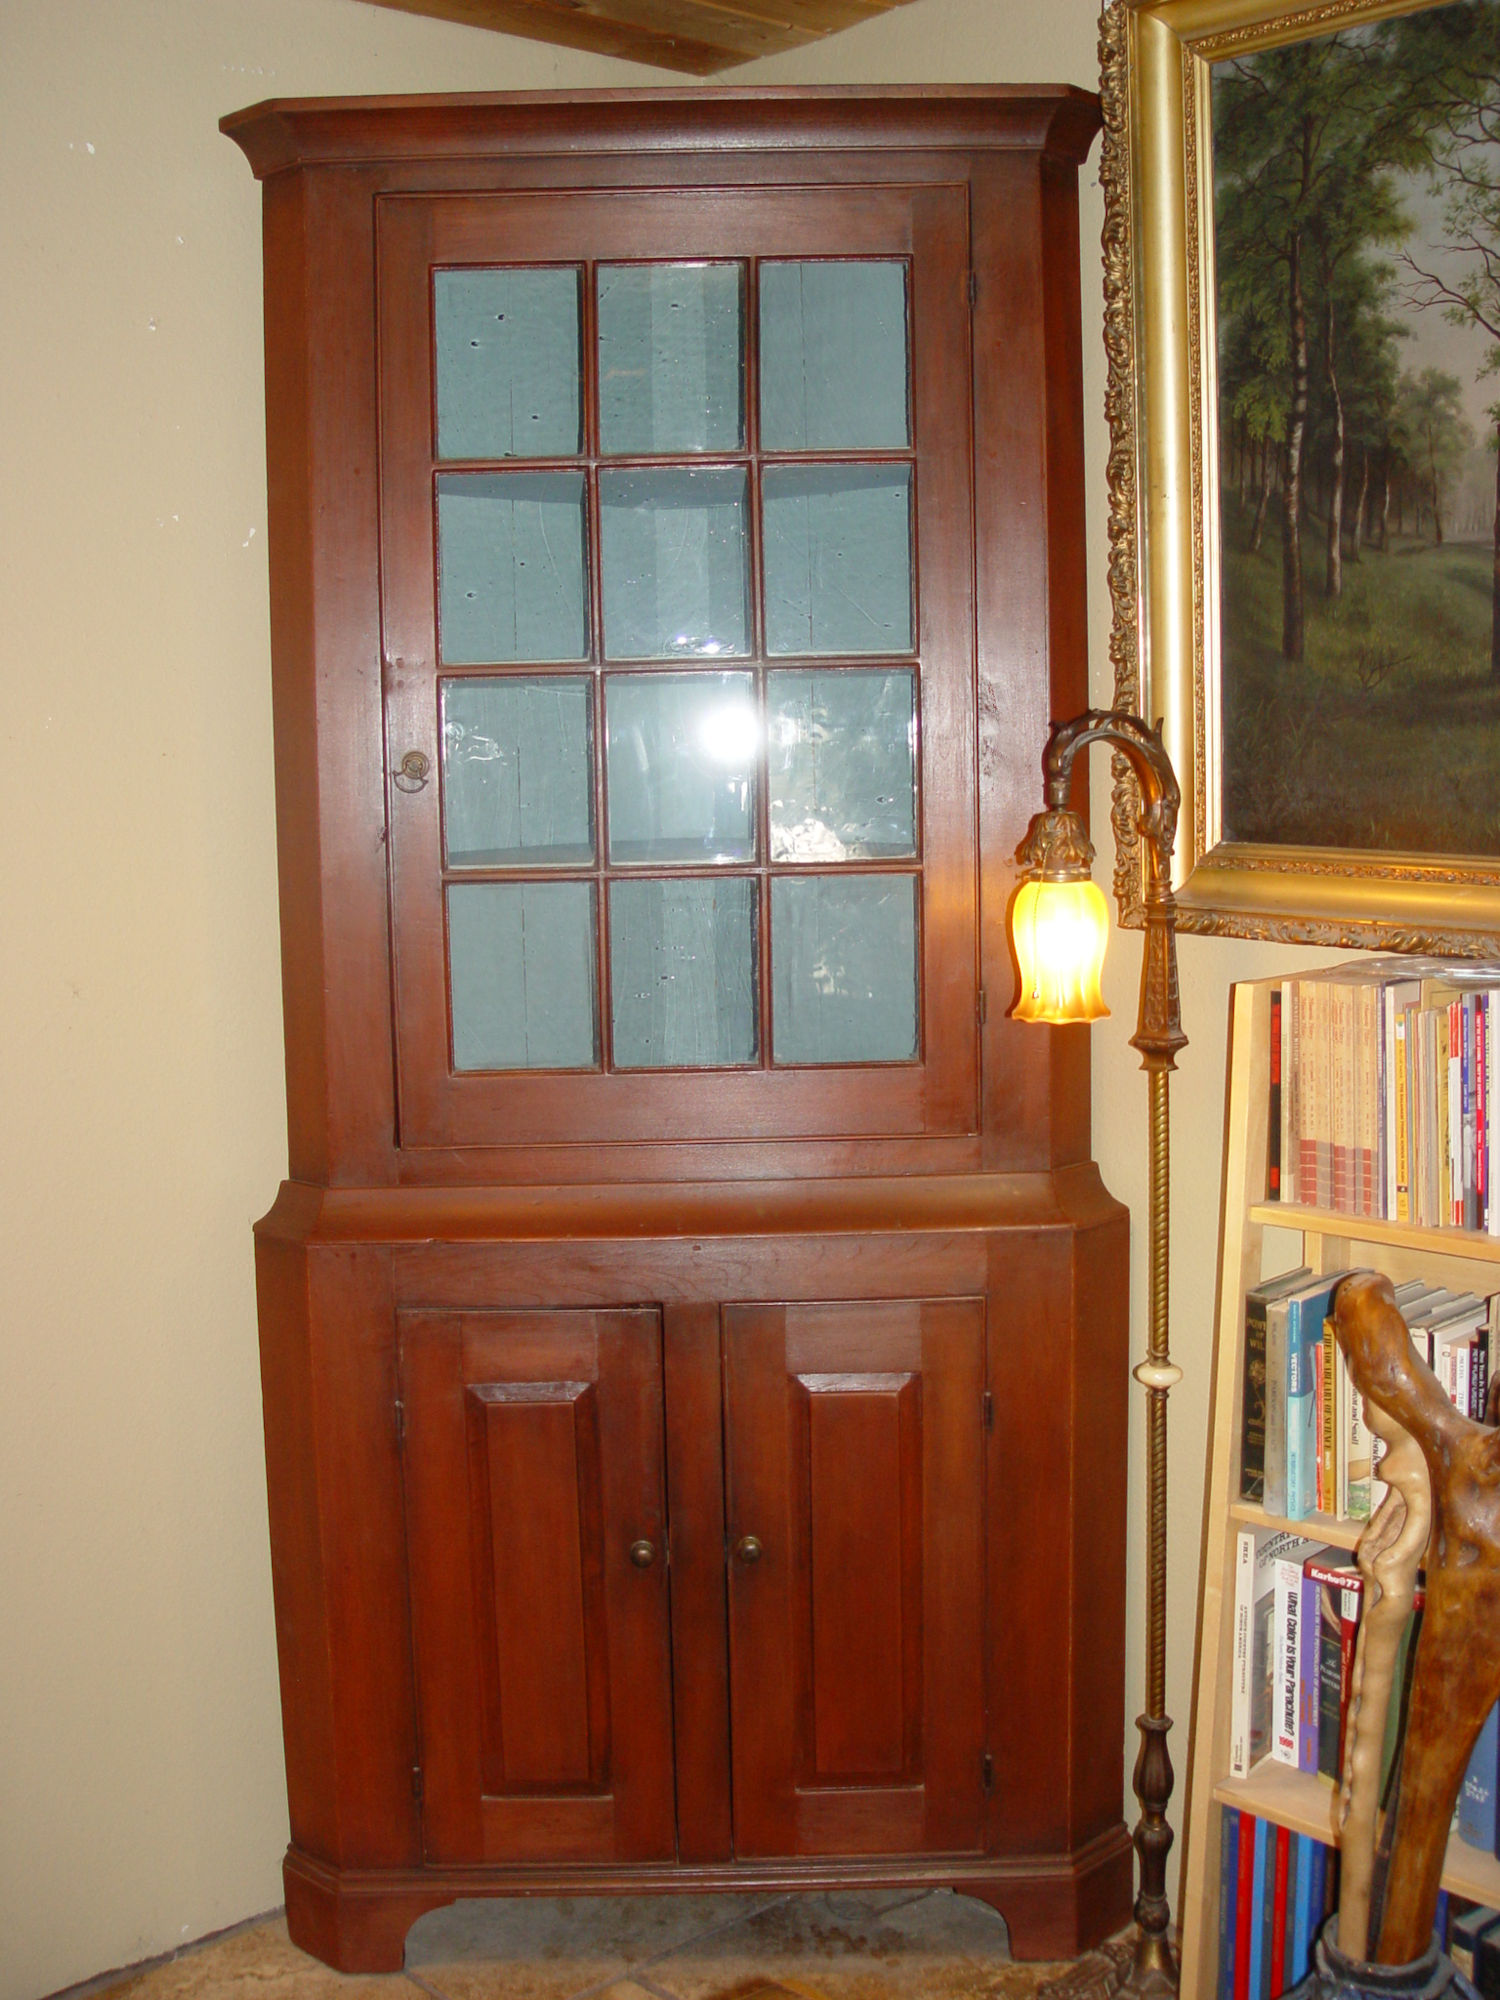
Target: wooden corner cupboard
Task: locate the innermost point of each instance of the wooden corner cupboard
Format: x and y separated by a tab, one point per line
693	1330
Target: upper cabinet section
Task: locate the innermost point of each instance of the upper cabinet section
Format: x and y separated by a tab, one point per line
669	609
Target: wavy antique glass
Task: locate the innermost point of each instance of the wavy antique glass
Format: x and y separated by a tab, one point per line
518	771
683	752
682	968
674	550
507	354
843	968
521	959
833	347
841	763
838	558
671	367
512	578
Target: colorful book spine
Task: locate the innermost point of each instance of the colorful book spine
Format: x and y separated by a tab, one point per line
1276	1890
1302	1928
1244	1910
1273	1131
1229	1885
1280	1898
1309	1686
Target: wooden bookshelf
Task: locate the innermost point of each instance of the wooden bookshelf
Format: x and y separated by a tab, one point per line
1329	1242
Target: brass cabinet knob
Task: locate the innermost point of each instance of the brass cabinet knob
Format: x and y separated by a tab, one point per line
748	1549
643	1553
412	775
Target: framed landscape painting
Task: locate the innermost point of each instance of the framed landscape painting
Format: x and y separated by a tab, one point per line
1302	270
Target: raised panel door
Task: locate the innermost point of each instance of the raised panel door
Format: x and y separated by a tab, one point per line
856	1488
536	1525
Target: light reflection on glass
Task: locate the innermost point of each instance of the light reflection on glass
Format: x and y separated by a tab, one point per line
682	755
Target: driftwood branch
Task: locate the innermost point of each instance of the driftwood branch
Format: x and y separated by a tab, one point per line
1457	1676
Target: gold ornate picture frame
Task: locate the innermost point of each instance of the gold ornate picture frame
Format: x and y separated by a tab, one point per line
1161	308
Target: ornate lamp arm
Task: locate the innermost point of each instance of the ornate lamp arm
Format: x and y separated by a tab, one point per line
1158	1034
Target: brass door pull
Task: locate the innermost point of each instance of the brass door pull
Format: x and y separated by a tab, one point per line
748	1548
643	1553
412	775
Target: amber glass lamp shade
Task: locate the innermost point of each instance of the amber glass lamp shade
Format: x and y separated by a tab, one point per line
1060	930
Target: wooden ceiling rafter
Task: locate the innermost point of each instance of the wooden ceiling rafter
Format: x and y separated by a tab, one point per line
700	37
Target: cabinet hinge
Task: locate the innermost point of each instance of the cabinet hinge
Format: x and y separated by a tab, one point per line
416	1783
984	1006
400	1424
987	1773
973	288
989	1409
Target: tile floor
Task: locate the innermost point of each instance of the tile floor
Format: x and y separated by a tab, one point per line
871	1945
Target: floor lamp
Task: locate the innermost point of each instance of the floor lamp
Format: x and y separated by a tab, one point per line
1059	923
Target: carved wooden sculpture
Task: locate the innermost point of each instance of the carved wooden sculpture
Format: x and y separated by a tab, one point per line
1457	1677
1389	1555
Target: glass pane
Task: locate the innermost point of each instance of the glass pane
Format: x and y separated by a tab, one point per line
518	771
674	564
682	966
844	968
838	559
833	357
682	762
842	754
511	581
521	960
507	363
670	372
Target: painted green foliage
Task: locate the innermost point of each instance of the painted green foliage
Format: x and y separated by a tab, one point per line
1360	634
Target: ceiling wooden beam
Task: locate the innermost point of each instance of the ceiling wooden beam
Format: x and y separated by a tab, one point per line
699	36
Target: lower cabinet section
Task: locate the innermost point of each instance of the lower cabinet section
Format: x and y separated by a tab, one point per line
583	1586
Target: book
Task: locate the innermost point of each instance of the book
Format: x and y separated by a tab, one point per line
1229	1882
1257	1555
1282	1877
1286	1646
1290	1092
1479	1800
1257	1970
1332	1599
1244	1909
1487	1962
1273	1108
1303	1928
1308	1682
1465	1928
1306	1308
1253	1397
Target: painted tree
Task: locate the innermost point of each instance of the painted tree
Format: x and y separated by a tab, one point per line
1456	50
1441	434
1307	139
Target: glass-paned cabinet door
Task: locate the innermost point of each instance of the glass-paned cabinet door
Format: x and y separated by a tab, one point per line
678	633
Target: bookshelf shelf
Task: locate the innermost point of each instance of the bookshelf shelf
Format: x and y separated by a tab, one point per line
1306	1804
1329	1241
1429	1243
1333	1528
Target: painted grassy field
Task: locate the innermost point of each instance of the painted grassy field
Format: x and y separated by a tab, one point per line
1388	734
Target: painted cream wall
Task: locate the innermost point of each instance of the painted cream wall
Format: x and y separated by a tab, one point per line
141	1797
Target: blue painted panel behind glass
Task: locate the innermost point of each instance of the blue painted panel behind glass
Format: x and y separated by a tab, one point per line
512	583
521	959
508	373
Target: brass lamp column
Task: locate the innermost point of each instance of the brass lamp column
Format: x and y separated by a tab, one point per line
1055	856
